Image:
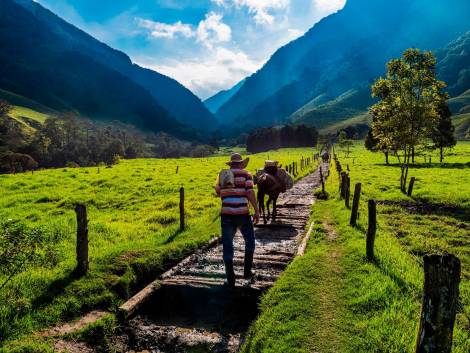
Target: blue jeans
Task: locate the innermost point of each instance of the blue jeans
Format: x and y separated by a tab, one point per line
230	224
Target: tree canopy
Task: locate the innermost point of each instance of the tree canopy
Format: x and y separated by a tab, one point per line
411	101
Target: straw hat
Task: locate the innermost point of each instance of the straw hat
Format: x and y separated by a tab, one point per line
237	160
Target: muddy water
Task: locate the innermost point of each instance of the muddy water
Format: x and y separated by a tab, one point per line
193	312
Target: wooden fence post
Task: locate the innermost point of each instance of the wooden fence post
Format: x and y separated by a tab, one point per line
355	207
439	306
347	193
371	231
322	181
182	208
410	188
341	185
82	240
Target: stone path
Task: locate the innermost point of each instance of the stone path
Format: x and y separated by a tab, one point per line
190	310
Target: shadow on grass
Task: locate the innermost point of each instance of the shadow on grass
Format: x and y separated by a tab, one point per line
400	282
361	228
54	289
421	207
429	165
173	236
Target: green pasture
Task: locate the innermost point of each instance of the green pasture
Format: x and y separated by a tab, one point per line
334	300
133	224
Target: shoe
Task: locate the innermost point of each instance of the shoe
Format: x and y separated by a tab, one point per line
230	274
247	273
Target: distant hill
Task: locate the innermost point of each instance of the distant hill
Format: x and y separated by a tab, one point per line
462	125
46	59
340	55
216	101
348	105
460	104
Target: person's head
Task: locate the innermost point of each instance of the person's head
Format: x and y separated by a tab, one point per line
237	161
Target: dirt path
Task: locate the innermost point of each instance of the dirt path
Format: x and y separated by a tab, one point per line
192	311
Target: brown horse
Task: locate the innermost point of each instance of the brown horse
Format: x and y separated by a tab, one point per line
269	185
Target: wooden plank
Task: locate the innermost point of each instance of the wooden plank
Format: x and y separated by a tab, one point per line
128	309
303	244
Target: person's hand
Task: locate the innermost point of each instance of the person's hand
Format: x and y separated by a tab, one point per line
256	217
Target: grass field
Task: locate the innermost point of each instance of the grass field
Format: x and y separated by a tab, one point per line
134	235
334	300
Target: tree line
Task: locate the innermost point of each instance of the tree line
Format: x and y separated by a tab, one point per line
69	140
288	136
412	110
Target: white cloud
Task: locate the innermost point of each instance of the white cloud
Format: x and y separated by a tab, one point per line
220	69
213	30
209	31
328	6
261	10
165	30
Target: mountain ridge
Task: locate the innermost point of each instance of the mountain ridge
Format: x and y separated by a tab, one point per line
338	54
214	102
179	103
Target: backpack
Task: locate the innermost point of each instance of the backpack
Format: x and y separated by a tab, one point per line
226	179
286	178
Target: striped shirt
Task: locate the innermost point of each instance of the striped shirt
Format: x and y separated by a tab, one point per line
234	199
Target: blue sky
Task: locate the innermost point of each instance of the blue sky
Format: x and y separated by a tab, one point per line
207	45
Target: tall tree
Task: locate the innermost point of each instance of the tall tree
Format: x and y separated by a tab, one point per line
443	133
409	99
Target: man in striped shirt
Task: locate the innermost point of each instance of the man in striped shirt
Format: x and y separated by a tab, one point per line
235	214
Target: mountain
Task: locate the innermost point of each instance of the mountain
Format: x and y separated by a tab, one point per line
46	59
339	56
454	64
216	101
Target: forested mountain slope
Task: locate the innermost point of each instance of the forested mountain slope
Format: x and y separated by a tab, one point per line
343	53
47	59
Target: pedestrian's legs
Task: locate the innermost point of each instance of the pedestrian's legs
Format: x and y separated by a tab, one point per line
229	228
248	232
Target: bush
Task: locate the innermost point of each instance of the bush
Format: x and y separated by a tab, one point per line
72	165
16	162
320	195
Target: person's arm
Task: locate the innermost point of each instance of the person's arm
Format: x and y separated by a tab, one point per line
252	198
250	194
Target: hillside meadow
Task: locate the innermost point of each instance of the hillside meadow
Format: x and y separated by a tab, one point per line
334	300
133	211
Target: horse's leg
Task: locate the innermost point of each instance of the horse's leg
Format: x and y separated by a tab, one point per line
261	205
275	208
268	205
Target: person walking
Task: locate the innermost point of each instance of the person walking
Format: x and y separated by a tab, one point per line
236	189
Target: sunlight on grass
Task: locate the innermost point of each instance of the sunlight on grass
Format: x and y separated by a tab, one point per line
134	230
